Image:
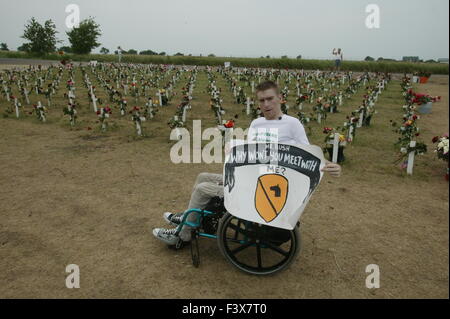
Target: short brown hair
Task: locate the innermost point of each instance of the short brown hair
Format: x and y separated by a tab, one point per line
267	85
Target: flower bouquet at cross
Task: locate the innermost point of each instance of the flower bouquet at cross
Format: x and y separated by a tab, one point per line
40	111
137	118
408	130
175	122
419	149
319	110
330	134
442	149
72	112
350	126
103	115
442	146
300	99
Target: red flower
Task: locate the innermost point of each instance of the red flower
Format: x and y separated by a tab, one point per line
327	130
136	108
355	120
229	124
414	117
435	139
98	112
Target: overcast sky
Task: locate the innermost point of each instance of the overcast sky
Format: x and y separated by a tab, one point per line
250	28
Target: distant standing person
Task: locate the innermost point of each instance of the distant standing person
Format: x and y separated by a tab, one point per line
119	52
338	57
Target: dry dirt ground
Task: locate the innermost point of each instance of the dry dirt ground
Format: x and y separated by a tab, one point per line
91	199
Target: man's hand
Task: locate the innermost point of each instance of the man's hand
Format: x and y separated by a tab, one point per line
332	168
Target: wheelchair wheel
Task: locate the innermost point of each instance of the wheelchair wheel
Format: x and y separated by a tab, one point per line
257	249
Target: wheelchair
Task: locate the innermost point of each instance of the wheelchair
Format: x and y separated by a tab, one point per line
253	248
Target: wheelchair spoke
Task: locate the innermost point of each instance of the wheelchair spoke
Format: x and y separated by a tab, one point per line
277	249
236	234
258	255
241	248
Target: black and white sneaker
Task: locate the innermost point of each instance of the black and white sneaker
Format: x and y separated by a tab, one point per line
173	219
168	236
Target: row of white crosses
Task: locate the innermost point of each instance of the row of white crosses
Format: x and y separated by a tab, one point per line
412	144
20	79
215	96
330	78
250	104
91	90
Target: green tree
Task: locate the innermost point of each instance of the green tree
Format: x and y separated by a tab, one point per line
65	49
284	56
162	53
24	47
4	47
42	37
131	51
211	55
299	56
84	37
104	50
179	54
369	59
148	52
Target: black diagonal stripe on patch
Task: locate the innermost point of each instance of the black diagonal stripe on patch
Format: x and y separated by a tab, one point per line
267	196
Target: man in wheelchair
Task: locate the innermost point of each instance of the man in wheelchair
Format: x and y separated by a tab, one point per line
288	130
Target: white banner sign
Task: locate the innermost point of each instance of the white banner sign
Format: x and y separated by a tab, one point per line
271	184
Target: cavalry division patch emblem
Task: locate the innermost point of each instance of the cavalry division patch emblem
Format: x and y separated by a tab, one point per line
270	196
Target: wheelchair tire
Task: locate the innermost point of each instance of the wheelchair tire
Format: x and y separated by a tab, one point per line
239	241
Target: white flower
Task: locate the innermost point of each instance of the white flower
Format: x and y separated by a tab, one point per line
403	150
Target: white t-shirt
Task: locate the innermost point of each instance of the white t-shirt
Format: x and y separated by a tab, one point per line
337	56
287	130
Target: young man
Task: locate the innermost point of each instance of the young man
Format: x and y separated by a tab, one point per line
338	57
288	130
